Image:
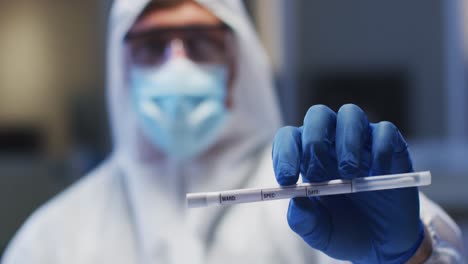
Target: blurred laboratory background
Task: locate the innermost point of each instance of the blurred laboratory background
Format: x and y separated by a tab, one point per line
402	61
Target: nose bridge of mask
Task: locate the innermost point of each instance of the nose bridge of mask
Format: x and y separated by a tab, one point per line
182	77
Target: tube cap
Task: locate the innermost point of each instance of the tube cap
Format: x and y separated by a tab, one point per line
195	200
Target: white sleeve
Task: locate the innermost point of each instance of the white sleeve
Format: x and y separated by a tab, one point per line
445	235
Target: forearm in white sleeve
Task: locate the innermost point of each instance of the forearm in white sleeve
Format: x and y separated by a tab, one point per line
442	233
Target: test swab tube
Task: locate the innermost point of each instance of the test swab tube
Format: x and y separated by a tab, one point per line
372	183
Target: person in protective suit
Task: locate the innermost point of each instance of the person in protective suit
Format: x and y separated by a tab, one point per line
193	109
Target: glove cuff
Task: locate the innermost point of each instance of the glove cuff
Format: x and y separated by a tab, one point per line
424	251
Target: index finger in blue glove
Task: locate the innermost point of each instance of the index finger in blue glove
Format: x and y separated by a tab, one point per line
286	154
318	149
352	134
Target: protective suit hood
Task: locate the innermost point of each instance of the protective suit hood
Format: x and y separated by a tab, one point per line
157	184
255	114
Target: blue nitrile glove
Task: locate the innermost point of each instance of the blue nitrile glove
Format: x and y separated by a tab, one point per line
367	227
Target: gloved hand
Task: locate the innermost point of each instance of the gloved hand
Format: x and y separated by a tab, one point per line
367	227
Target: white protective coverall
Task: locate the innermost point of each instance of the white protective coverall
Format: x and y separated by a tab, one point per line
131	209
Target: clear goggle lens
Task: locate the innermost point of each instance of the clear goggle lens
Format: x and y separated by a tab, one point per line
201	44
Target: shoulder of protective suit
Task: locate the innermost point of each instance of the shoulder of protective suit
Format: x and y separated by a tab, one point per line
79	201
72	214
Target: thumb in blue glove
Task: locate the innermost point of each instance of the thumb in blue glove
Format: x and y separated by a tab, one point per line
369	227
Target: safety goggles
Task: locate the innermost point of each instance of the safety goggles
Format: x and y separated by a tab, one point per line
201	44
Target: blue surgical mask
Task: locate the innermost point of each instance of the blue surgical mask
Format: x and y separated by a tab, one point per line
180	105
